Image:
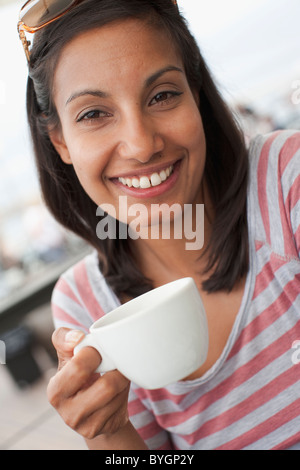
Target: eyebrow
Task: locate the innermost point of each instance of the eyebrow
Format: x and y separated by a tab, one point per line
159	73
149	81
98	93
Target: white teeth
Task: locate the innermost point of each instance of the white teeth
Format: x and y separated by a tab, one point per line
144	182
163	175
155	179
135	183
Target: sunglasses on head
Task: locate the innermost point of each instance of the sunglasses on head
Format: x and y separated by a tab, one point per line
36	14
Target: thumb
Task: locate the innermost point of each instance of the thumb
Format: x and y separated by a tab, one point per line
64	340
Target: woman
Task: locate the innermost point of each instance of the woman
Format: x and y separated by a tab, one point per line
121	103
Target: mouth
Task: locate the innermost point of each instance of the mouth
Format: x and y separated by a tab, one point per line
147	181
149	184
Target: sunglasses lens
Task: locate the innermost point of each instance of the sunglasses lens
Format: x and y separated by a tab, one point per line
38	12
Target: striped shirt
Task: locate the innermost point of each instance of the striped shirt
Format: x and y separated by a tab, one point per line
250	398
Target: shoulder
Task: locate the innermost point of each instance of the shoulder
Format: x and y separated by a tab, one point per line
275	187
275	150
81	295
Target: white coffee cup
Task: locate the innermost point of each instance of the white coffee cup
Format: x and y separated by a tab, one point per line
156	339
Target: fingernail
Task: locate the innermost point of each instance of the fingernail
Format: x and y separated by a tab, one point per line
74	336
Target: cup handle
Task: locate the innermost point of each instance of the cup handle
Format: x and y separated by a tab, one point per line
106	363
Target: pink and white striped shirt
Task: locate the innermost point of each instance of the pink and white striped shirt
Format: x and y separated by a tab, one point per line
250	398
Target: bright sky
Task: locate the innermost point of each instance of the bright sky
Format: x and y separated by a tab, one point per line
252	46
210	16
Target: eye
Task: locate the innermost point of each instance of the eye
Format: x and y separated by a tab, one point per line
164	97
93	115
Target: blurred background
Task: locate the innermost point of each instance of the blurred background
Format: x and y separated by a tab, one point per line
252	48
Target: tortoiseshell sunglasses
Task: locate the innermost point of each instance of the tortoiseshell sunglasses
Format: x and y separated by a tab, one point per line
36	14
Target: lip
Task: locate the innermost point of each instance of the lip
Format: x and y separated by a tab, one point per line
152	191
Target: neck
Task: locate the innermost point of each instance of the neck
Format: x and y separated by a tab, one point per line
180	254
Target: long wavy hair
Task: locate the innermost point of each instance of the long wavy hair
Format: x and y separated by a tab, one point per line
226	169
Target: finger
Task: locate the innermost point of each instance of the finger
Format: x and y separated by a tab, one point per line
64	341
102	392
77	372
107	420
105	407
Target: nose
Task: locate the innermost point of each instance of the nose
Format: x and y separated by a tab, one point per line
139	139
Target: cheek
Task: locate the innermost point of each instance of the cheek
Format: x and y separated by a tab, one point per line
88	161
195	142
198	144
195	132
198	153
88	167
188	129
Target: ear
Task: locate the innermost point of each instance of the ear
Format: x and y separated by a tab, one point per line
58	142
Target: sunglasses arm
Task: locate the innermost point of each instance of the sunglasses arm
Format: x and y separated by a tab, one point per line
22	27
24	41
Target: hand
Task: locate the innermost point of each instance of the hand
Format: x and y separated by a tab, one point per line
91	405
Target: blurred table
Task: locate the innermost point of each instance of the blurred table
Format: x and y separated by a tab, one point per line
33	295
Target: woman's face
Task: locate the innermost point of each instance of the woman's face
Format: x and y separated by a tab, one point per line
130	123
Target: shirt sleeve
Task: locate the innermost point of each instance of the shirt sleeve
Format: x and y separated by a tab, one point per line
277	177
67	310
77	299
289	170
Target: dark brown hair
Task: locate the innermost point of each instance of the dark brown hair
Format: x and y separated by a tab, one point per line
226	168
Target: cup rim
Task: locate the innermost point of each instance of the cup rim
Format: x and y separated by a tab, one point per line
184	281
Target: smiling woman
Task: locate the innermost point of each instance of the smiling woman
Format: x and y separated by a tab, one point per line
124	131
121	104
221	178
